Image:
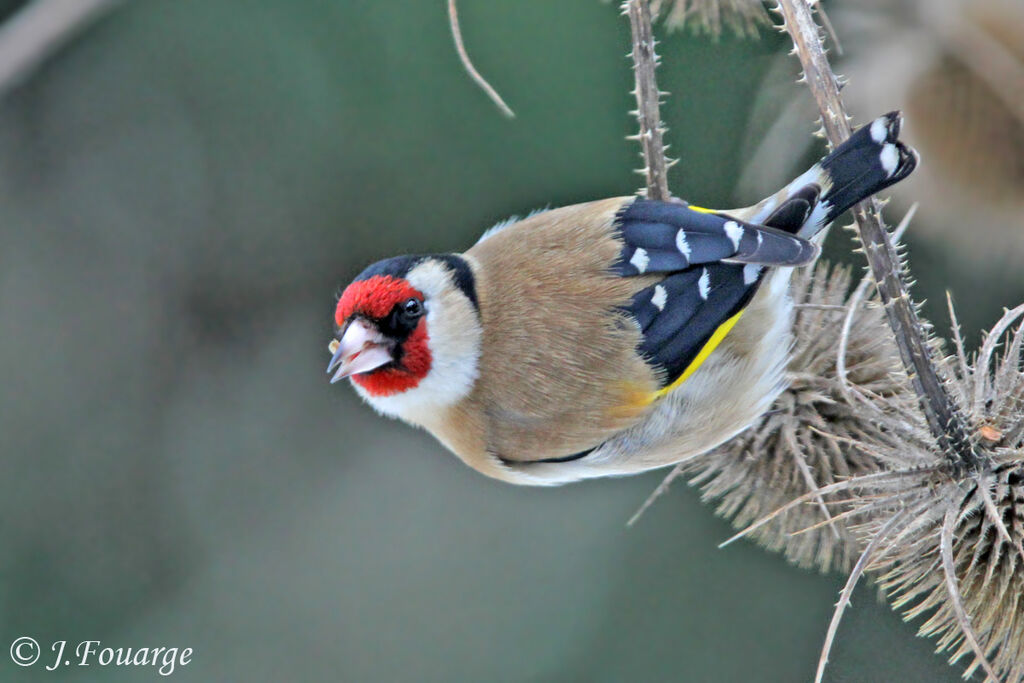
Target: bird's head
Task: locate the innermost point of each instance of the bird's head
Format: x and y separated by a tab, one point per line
409	333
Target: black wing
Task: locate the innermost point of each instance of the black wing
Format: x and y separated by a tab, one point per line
679	315
712	265
664	237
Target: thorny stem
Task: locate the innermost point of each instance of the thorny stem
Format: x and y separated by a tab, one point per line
645	61
853	304
944	421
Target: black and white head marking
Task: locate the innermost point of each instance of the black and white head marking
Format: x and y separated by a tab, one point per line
401	266
454	333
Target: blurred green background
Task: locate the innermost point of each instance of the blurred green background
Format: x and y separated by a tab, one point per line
184	188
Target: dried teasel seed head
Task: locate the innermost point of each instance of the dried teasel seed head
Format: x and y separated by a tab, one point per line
983	544
948	544
809	438
743	17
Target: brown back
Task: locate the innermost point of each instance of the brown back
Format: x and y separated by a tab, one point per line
559	371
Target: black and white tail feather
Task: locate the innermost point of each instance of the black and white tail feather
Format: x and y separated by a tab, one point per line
871	160
712	262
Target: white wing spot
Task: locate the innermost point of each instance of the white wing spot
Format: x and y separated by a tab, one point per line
640	259
879	130
704	284
734	232
682	245
750	273
890	158
659	297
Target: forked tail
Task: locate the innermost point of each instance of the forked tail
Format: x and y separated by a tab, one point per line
871	160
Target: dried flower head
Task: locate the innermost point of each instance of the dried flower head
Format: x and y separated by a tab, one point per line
942	521
959	554
808	440
947	541
956	557
744	17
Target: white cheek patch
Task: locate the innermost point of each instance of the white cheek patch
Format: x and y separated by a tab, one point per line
454	337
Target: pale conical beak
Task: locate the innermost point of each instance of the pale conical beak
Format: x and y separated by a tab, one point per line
360	349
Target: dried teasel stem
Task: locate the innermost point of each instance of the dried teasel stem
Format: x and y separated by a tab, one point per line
645	61
944	421
854	303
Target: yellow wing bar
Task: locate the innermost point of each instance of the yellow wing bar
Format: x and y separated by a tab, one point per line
702	355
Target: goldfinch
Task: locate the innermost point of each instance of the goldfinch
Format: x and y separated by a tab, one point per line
604	338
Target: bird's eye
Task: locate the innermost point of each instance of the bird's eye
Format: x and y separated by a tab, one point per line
413	308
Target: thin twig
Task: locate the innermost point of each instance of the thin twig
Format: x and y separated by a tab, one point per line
656	494
823	307
854	482
853	304
879	502
996	519
955	598
648	114
805	472
38	30
988	347
958	340
944	421
467	64
847	593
